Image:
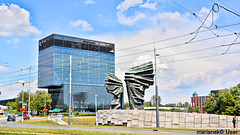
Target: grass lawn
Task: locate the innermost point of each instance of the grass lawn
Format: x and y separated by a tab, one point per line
40	122
82	121
89	121
46	131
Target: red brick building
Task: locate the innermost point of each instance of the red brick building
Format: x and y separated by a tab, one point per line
198	101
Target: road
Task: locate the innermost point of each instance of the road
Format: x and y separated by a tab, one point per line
124	130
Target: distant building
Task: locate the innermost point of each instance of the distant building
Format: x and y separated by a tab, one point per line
215	92
5	101
91	60
198	101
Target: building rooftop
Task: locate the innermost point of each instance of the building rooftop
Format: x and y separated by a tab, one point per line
76	43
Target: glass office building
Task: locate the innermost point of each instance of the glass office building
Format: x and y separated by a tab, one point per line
91	60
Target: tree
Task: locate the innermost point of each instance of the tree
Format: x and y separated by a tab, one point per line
13	105
185	104
211	104
153	100
147	104
226	102
179	104
197	109
8	104
126	105
190	109
25	100
179	110
38	102
173	109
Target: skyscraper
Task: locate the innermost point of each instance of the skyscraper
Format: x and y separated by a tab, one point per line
91	60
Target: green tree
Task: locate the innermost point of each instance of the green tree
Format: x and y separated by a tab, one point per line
153	100
197	109
179	110
13	105
226	102
185	104
126	105
8	104
173	109
147	104
190	109
211	104
38	102
25	100
179	104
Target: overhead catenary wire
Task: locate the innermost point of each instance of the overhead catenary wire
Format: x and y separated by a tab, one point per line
181	60
166	47
194	14
232	43
228	6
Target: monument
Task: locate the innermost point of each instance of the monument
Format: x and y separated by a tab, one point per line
138	79
114	86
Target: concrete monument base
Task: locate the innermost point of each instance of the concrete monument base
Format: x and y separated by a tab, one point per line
142	118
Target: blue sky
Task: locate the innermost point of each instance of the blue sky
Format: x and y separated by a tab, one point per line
126	23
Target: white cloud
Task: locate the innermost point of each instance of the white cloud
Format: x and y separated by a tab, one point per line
13	41
16	21
11	91
149	5
85	26
177	78
88	2
129	20
3	69
124	6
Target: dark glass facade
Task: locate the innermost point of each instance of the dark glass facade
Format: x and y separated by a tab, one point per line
91	60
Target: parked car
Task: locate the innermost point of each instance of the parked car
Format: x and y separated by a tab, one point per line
26	117
11	118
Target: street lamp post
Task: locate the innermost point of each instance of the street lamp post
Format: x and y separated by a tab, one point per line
45	105
156	88
96	108
30	68
22	97
70	92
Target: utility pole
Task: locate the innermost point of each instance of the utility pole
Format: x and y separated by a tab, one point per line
22	97
96	108
70	92
30	68
156	87
45	104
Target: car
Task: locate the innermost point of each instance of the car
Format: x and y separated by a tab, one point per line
26	117
11	118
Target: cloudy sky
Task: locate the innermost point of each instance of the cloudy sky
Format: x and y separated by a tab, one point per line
197	42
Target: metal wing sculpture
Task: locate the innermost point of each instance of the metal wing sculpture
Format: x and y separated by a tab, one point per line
114	86
138	79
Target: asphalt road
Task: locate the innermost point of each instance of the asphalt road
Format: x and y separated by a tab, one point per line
124	130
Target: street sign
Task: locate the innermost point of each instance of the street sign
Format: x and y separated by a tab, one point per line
20	101
56	110
51	111
24	103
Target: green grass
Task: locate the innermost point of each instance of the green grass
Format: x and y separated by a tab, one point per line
40	122
46	131
83	121
89	121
